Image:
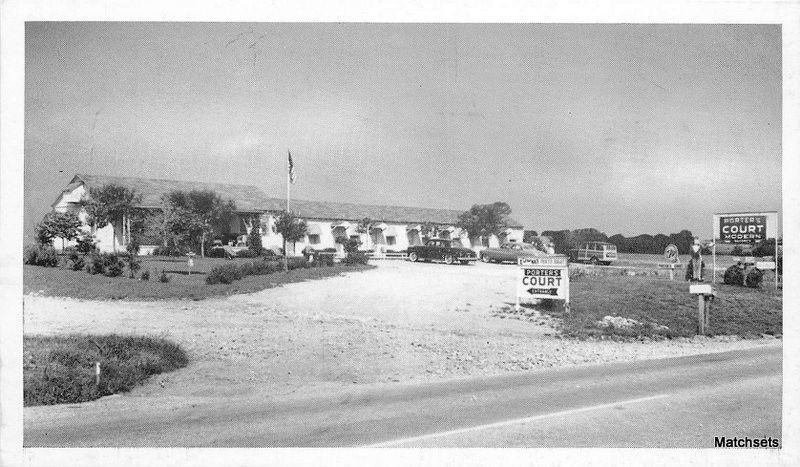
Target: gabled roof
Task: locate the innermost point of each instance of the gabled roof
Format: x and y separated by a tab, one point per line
247	198
250	198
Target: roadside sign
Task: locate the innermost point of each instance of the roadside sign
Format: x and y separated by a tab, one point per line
671	253
765	264
748	227
543	277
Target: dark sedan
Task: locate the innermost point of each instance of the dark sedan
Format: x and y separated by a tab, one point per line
437	249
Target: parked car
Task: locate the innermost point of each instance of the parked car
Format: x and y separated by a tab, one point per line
509	252
439	249
594	253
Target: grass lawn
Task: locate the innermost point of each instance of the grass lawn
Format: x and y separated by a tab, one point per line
61	369
736	311
64	282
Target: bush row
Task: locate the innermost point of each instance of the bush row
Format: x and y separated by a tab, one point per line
227	273
39	255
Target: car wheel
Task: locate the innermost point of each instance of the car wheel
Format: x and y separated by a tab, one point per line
484	258
413	257
449	259
594	261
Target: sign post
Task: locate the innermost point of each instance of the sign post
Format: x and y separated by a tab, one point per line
543	277
190	262
672	259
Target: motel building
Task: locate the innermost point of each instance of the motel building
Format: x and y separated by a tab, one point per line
394	228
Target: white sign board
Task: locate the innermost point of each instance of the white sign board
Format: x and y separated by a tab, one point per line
765	264
543	277
745	227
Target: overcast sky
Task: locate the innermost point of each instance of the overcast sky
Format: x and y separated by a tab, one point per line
627	128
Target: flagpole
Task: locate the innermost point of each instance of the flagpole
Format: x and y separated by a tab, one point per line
288	181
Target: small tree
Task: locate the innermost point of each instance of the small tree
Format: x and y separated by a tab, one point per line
485	220
291	229
110	204
427	230
365	226
254	238
64	225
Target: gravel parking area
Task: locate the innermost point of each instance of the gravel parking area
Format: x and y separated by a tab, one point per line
398	323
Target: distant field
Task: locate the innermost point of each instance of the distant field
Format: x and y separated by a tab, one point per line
645	260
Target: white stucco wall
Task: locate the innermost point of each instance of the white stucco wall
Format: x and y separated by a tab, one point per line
104	237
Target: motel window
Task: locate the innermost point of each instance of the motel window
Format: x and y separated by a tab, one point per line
313	239
390	240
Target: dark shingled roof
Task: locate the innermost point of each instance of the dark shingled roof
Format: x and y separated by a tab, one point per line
250	199
247	198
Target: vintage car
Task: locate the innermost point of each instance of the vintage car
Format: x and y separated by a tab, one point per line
594	253
509	252
438	249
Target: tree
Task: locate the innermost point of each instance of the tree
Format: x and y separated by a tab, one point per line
64	225
484	220
291	229
254	237
365	226
528	236
427	230
195	214
110	204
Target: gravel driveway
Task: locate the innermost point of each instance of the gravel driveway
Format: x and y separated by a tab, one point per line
401	322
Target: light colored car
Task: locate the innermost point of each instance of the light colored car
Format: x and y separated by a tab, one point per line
509	252
594	253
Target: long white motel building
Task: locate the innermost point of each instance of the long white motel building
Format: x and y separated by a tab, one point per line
394	227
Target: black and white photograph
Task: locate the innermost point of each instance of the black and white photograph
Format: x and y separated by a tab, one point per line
401	234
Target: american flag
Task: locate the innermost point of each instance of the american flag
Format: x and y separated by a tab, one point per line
291	168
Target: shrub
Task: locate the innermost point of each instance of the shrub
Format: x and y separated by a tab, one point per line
217	252
297	262
170	251
324	258
754	278
85	244
77	262
163	277
133	263
39	255
223	274
132	247
263	267
247	269
733	276
352	254
254	239
114	265
145	275
248	253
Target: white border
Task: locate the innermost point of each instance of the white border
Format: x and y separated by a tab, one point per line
13	13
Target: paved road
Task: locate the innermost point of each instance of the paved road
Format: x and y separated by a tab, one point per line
676	402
